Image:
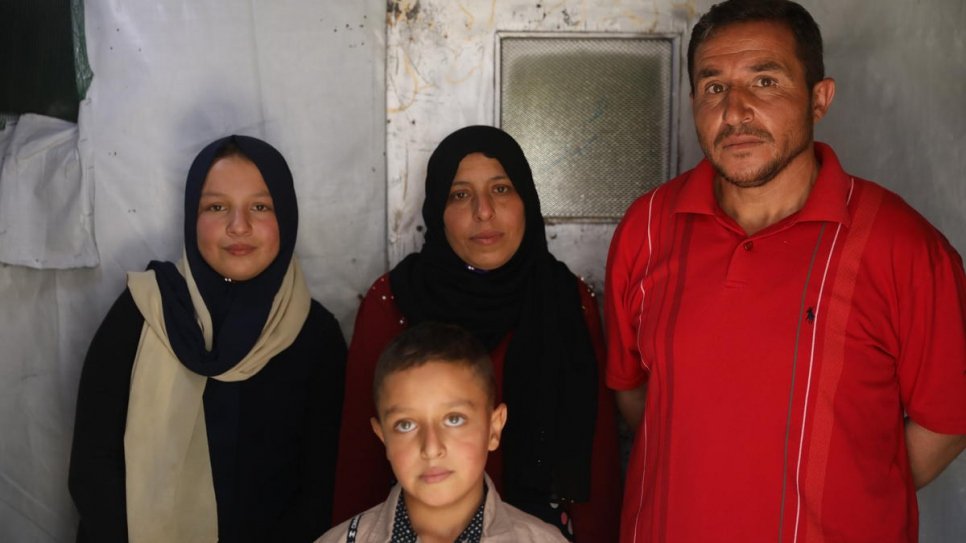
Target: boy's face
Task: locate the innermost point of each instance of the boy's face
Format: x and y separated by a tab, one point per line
438	427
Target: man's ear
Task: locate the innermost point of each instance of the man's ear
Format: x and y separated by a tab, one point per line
497	422
822	94
377	429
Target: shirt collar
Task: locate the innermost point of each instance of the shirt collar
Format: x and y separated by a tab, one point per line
828	200
403	532
402	528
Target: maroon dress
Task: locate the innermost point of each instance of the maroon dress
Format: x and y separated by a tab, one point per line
364	476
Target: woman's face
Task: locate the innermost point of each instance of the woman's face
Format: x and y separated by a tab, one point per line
237	230
484	218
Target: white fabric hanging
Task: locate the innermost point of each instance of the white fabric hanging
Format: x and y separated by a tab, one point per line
46	208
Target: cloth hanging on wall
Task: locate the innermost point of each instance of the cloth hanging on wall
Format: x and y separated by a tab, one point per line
46	208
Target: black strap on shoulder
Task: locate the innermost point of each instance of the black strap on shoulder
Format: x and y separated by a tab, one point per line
350	536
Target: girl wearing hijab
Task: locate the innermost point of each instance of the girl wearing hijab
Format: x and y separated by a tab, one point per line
485	266
210	398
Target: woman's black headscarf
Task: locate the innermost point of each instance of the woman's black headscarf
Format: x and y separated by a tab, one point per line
550	373
238	309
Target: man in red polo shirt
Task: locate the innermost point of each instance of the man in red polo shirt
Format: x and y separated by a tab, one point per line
789	340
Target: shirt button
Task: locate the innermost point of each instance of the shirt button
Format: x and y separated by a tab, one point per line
748	245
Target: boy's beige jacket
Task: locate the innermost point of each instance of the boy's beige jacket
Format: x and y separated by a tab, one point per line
502	523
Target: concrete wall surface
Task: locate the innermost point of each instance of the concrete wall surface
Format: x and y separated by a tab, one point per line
356	96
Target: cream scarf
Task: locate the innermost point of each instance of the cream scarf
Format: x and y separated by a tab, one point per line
170	491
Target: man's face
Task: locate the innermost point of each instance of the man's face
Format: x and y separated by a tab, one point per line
753	111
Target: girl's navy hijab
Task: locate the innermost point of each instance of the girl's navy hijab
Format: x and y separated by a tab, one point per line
550	370
238	309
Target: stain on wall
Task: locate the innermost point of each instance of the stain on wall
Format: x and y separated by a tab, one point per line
401	9
440	76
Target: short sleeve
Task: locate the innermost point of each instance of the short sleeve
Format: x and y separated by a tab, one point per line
931	304
626	264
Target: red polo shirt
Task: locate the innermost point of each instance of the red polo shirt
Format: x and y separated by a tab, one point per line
780	365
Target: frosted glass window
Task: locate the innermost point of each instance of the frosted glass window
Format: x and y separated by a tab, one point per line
594	114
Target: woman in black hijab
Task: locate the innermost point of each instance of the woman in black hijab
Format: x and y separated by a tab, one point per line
485	266
210	397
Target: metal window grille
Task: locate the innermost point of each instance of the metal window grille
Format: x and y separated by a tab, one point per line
594	113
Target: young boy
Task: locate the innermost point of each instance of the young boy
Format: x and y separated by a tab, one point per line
435	394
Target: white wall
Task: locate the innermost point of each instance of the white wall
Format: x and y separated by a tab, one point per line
169	77
308	76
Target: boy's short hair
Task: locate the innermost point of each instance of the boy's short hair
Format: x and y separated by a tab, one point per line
435	342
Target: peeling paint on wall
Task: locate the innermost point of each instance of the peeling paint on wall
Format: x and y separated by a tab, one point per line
401	9
440	77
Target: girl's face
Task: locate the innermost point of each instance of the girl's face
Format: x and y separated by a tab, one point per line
484	218
237	230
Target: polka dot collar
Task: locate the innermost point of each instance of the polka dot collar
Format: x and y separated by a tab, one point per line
402	528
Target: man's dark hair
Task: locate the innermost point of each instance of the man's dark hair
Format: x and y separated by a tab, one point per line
808	37
435	342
